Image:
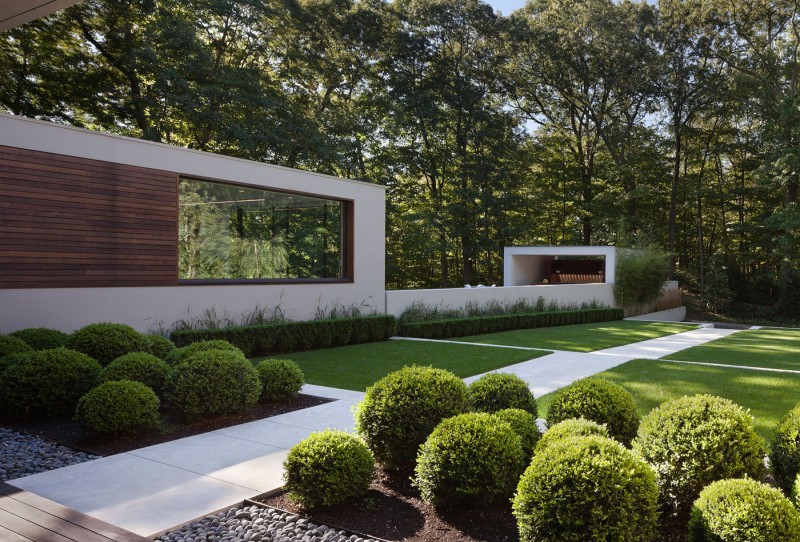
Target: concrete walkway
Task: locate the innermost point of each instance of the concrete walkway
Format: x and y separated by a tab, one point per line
152	489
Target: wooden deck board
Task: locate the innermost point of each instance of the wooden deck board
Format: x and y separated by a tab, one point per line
25	517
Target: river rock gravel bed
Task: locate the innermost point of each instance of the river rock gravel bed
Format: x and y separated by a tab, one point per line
22	454
258	524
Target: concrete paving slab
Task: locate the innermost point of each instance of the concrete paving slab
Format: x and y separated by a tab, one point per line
213	454
134	493
268	432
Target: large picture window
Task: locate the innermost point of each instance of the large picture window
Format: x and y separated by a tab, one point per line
240	232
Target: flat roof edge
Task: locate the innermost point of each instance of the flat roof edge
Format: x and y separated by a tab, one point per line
12	138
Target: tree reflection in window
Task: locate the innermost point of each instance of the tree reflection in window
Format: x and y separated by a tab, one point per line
238	232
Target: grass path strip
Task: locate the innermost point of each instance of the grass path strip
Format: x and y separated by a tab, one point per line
466	343
727	366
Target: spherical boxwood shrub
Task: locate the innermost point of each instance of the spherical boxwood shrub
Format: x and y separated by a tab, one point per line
469	459
13	345
158	345
796	492
401	409
573	427
496	391
180	355
11	359
106	342
524	425
785	456
47	383
281	379
139	367
118	406
598	400
214	382
328	468
586	488
42	338
743	511
693	441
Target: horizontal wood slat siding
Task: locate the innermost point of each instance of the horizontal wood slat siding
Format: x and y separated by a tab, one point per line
72	222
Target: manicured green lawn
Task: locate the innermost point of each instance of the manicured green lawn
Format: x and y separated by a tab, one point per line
358	366
767	395
582	337
772	348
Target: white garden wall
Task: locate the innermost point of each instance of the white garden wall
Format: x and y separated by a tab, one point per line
398	301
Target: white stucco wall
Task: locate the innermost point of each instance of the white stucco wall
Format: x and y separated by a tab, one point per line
144	307
566	294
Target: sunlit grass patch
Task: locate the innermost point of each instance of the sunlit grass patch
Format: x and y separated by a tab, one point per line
583	337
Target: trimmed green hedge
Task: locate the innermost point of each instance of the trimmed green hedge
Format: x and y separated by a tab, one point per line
286	337
461	327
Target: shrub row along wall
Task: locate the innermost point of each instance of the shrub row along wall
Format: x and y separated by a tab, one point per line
286	337
460	327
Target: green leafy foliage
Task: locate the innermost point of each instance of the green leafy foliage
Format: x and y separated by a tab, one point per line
640	276
598	400
47	383
42	338
328	468
571	427
496	391
106	342
524	425
158	345
180	355
469	459
460	327
743	510
13	345
11	359
693	441
785	454
401	409
138	367
286	337
281	379
586	488
118	406
214	382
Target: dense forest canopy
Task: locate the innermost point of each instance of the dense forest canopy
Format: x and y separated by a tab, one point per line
568	122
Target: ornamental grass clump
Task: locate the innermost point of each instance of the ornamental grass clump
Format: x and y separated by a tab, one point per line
118	406
469	459
42	338
598	400
692	442
524	425
743	510
47	383
573	427
579	489
106	342
785	456
401	409
214	382
139	367
328	468
496	391
281	379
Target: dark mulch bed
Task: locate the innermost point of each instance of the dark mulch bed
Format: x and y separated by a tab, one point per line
69	433
392	510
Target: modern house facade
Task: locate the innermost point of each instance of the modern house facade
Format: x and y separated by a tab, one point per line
98	227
